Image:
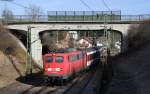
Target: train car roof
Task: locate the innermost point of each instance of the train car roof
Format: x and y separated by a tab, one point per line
70	50
66	50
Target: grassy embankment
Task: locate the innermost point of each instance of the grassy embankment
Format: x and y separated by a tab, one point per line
12	58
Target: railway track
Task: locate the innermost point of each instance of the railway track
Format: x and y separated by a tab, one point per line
28	89
76	86
39	87
80	84
40	90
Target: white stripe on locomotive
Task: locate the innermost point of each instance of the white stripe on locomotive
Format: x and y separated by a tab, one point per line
88	53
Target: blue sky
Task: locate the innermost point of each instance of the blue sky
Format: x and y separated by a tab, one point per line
127	7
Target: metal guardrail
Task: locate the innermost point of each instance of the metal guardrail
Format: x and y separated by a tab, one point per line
77	16
135	17
76	13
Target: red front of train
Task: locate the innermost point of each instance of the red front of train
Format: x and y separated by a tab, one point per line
64	65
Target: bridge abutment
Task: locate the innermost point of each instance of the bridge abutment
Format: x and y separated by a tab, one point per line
36	47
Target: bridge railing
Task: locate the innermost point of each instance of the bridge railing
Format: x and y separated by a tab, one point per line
135	17
83	15
25	18
79	18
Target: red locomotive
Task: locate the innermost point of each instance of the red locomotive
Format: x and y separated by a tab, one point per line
62	65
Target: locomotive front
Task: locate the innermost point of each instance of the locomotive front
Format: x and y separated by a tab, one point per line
54	66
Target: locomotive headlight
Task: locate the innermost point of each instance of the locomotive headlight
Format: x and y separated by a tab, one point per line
49	69
58	69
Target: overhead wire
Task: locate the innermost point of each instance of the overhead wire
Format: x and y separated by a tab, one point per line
85	4
19	5
6	0
105	4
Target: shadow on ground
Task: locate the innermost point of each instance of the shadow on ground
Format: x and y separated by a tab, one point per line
130	73
35	79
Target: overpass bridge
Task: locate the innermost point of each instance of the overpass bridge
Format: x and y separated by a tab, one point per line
68	22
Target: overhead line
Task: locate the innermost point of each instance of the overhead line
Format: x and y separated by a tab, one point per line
20	5
86	5
105	4
6	0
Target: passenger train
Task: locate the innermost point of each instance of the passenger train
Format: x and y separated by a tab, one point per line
66	63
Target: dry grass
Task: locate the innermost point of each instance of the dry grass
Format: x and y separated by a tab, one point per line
10	45
8	73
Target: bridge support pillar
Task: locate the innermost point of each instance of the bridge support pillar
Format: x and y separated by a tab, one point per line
36	47
124	45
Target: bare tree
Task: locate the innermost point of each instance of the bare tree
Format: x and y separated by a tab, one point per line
7	14
34	12
138	34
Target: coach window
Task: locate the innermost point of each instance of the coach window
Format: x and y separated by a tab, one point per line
49	59
73	58
70	58
78	56
59	59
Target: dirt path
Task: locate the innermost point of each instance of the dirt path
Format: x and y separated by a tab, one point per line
131	73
